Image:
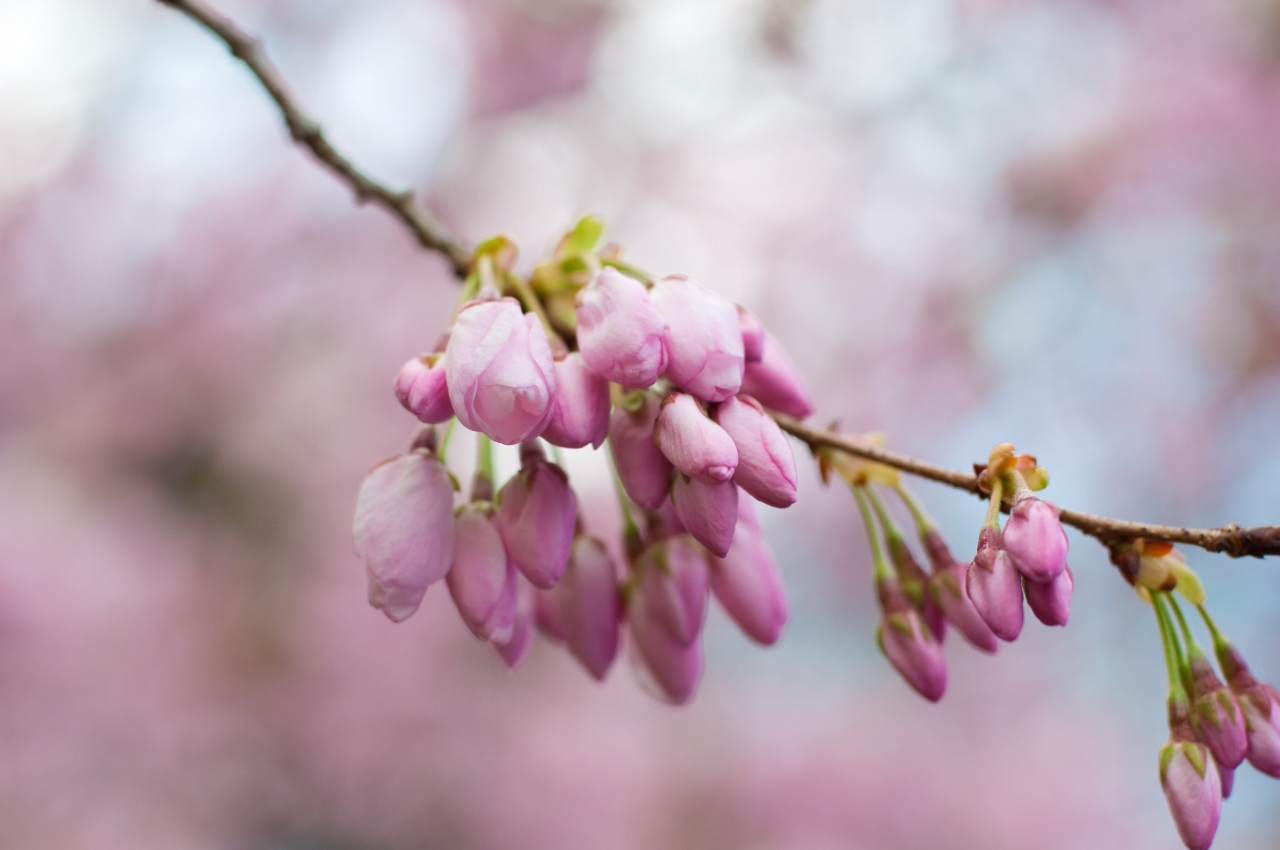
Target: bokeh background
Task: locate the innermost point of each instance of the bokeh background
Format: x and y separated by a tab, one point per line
1055	222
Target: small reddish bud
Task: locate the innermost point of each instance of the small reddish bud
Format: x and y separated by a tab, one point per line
1034	538
643	468
537	514
1050	600
423	389
995	587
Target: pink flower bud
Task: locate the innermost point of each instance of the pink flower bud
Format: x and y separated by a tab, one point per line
675	667
752	335
620	332
580	410
1194	791
909	645
403	530
500	373
546	610
588	606
766	465
1050	600
537	513
1034	538
482	580
673	573
514	648
703	338
693	443
1227	778
1261	707
1216	714
912	581
747	583
423	390
994	586
946	586
643	468
775	383
708	511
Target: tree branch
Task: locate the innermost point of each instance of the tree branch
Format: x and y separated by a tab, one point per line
308	133
1231	540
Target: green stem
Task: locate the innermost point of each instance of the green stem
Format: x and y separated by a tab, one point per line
484	455
631	538
1189	639
1172	653
444	441
470	287
533	304
924	524
629	270
892	534
880	564
1220	643
997	497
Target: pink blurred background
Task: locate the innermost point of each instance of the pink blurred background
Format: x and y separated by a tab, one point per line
969	220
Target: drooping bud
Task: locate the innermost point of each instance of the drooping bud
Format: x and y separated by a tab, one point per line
766	465
752	335
499	370
1260	705
1193	789
587	606
404	530
693	443
1227	778
537	512
913	579
775	383
643	468
946	586
1034	538
482	580
747	583
1215	713
423	389
514	648
675	667
1050	600
703	338
580	410
995	587
906	641
620	332
673	574
708	511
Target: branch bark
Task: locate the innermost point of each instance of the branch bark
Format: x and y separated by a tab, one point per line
1231	539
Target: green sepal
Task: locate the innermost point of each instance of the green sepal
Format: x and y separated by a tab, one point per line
1195	755
584	237
453	479
901	623
501	249
1166	757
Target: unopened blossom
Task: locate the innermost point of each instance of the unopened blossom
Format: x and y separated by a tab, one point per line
703	338
500	373
693	443
995	587
774	382
746	580
404	530
1260	705
643	469
588	607
913	581
752	335
620	332
1227	778
482	580
675	667
766	465
1034	538
912	649
1215	714
708	511
515	647
1193	789
537	513
673	574
580	409
1050	600
946	586
422	388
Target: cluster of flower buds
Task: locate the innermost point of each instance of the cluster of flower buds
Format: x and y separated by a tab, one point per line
678	380
1213	727
983	600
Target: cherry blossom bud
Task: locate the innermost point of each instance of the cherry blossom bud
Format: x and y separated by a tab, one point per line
1050	600
747	583
643	468
423	390
1034	538
588	607
676	668
912	579
708	511
1227	778
693	443
580	410
775	383
994	586
1215	713
766	465
500	373
514	648
620	332
537	512
703	338
1194	791
1261	707
404	530
946	585
546	610
909	645
482	580
752	335
673	573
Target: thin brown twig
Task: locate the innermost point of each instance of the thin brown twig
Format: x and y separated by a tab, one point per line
308	133
1231	539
